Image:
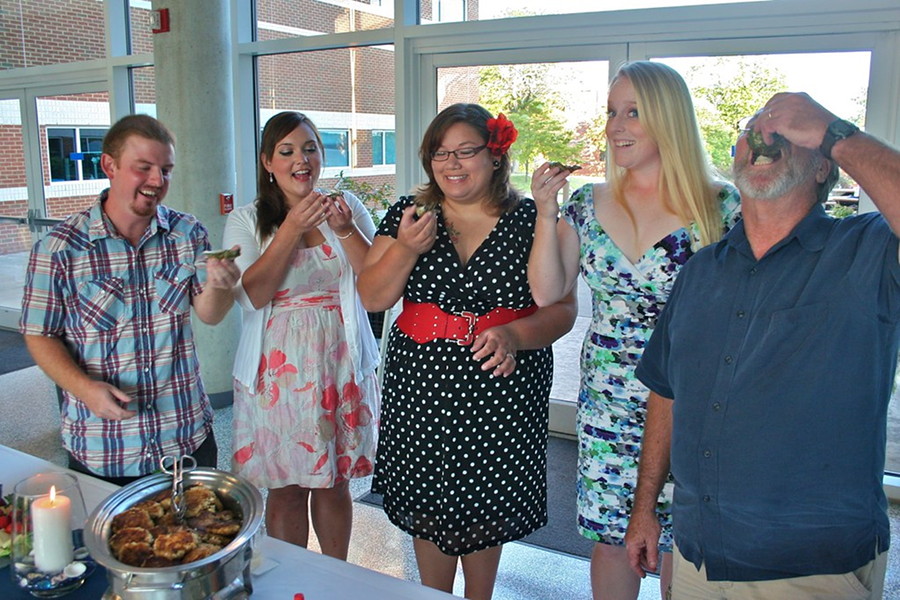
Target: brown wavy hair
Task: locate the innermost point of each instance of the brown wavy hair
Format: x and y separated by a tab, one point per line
503	197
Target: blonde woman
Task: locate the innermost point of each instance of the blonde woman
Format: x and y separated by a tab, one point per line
629	238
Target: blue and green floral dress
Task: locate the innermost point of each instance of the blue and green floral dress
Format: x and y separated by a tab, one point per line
612	403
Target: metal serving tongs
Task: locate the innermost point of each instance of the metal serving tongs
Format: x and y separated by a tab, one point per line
176	466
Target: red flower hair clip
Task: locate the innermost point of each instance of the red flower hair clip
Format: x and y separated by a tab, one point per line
503	134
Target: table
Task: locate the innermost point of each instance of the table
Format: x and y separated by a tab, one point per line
296	569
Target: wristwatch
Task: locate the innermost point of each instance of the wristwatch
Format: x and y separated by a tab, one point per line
838	130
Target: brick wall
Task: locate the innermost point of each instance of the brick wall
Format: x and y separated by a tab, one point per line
14	238
12	157
49	32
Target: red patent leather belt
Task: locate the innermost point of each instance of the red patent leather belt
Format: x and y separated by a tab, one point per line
425	321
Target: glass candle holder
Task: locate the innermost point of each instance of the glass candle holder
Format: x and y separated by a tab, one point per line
49	558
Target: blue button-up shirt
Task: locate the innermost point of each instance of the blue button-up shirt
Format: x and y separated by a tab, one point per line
781	371
124	313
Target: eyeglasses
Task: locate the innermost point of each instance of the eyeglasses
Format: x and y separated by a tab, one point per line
460	154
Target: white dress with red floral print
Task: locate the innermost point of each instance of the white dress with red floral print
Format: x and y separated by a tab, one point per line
308	422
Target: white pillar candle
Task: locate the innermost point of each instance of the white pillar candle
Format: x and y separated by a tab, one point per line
50	518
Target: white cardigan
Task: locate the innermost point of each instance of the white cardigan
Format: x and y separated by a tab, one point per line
240	228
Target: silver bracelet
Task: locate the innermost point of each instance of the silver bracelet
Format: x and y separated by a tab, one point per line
344	237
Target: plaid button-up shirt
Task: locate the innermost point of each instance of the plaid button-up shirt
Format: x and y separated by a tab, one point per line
124	312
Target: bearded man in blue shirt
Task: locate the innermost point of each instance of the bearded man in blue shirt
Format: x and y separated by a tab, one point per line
771	370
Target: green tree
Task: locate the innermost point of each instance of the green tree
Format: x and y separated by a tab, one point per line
522	93
732	88
592	134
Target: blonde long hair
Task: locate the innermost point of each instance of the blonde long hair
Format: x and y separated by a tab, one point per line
687	185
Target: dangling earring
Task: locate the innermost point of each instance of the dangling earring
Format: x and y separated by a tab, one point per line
271	178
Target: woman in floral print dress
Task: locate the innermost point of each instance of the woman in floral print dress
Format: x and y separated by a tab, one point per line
629	237
306	396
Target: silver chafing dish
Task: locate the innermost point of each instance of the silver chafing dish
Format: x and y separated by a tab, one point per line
223	575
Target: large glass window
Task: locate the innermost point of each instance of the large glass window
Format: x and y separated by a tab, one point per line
139	26
276	19
72	128
50	32
349	95
446	11
143	90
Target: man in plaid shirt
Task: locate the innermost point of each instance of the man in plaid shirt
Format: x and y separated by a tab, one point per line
107	314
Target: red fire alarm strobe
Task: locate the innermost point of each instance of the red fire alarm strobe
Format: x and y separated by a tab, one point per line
226	203
159	20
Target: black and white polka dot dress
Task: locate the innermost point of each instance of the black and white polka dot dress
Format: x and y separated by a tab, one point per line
461	459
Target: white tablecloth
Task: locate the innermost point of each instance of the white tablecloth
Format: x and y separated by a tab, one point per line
295	569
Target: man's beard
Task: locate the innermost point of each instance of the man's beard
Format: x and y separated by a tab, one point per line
795	171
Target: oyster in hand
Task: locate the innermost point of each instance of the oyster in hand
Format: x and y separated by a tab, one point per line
569	168
421	209
759	146
226	254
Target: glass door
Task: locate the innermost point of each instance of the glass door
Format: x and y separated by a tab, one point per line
51	169
15	236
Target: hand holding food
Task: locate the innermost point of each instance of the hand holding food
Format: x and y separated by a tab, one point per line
309	212
421	209
417	234
546	182
340	217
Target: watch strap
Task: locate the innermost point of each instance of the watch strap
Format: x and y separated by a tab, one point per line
837	130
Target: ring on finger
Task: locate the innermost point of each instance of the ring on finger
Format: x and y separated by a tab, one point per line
511	355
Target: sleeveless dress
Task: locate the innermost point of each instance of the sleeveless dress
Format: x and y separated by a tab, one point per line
627	299
308	422
462	454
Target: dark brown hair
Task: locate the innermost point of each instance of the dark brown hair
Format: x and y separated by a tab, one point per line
271	205
502	196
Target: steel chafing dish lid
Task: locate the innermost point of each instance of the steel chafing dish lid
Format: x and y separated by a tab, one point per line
236	493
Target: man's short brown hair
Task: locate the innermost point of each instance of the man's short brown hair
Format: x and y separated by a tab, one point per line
142	125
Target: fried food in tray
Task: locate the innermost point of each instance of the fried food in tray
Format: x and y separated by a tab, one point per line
133	517
149	535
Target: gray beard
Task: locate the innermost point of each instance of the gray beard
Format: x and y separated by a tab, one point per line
796	170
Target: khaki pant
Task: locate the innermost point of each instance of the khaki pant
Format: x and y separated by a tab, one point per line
865	583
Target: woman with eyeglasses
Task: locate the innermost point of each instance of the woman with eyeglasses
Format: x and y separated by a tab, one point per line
461	460
629	237
305	385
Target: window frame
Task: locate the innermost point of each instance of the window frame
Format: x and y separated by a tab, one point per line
78	142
